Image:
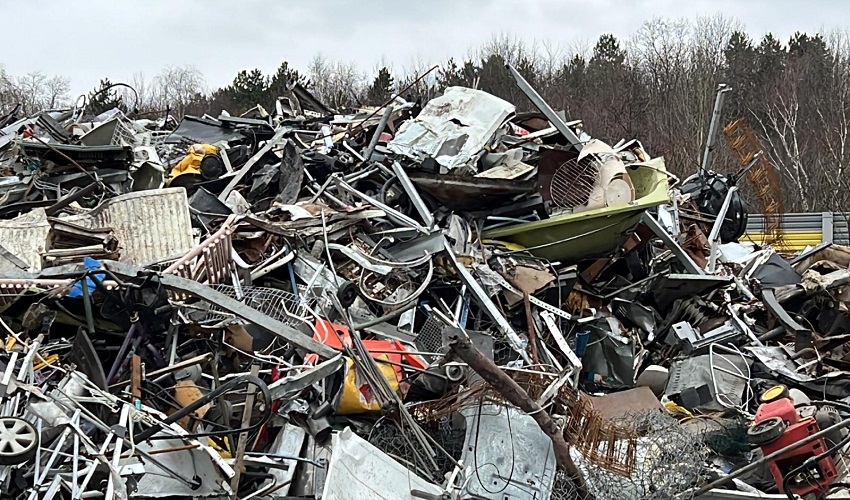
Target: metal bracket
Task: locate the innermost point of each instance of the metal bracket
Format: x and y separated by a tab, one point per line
534	300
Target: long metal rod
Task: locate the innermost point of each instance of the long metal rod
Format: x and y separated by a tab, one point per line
711	140
487	304
243	436
391	213
413	193
251	162
378	131
714	236
547	110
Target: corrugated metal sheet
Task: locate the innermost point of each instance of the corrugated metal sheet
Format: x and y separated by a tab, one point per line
149	225
790	222
26	236
802	229
840	232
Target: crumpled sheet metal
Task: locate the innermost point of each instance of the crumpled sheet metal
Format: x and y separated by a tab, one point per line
359	470
150	226
452	128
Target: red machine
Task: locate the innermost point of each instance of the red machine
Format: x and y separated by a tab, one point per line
779	424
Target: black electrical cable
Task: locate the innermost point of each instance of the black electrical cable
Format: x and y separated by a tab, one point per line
169	400
224	388
112	86
475	453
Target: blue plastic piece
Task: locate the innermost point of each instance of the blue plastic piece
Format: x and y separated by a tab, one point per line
77	287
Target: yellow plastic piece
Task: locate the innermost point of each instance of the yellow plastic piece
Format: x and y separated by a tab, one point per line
773	393
225	453
49	360
791	240
675	409
191	163
357	396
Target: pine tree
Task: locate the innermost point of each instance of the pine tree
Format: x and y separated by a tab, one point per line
381	89
103	98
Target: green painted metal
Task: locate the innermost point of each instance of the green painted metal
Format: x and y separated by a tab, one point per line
595	233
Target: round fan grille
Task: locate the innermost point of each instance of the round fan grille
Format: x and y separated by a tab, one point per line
574	181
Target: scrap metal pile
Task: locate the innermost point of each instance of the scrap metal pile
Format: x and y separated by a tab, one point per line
448	301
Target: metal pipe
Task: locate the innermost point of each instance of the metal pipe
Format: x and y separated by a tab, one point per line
119	359
373	143
715	230
711	140
387	317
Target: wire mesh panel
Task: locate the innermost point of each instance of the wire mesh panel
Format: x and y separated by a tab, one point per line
273	302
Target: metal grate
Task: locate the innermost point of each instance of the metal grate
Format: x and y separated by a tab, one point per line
763	176
273	302
430	338
574	181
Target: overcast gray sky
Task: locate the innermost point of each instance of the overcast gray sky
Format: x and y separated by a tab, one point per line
89	39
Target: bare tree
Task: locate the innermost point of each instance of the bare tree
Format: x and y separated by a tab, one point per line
177	87
340	85
34	91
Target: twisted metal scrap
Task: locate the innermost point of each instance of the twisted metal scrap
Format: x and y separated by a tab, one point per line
762	176
669	461
606	444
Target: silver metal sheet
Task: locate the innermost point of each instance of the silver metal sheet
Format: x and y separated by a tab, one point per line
157	483
359	470
452	128
511	460
289	442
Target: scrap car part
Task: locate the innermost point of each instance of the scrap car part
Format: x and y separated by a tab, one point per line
18	441
802	335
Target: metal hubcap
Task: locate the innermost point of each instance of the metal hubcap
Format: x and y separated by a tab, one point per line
16	436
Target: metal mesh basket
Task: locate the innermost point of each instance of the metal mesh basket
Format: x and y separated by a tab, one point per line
273	302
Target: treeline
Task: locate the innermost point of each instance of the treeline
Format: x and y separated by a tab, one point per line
657	86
